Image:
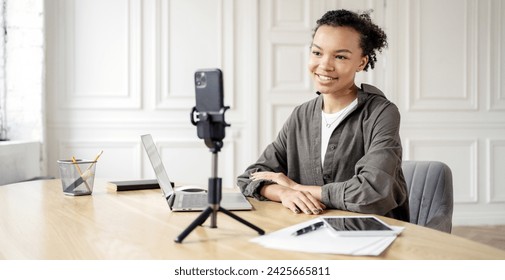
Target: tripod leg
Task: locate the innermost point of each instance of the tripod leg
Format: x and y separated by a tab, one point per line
197	222
260	231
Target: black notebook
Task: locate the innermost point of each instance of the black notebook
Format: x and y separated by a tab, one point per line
136	185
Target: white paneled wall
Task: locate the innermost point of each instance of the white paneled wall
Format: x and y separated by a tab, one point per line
119	69
447	80
455	89
102	52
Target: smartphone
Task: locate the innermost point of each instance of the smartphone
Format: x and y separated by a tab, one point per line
209	90
358	226
209	105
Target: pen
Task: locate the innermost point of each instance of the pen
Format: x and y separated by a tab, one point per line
310	228
94	161
80	172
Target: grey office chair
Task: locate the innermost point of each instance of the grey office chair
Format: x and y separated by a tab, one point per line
429	184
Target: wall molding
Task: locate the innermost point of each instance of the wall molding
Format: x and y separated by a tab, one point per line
70	96
131	168
469	218
467	100
283	54
495	191
279	24
441	124
496	46
142	125
227	168
166	96
445	144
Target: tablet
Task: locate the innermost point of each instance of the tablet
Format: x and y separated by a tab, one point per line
358	226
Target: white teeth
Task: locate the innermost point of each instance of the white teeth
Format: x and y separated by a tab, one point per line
325	78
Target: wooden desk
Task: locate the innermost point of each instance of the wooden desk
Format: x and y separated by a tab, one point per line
37	221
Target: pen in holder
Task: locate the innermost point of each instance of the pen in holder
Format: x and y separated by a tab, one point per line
74	181
85	176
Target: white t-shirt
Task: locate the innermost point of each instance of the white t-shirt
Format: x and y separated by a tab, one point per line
328	124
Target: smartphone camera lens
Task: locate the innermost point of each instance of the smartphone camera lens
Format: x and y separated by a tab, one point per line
200	80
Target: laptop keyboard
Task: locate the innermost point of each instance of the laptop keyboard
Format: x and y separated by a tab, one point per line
194	200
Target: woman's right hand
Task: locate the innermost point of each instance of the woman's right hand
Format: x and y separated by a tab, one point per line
300	201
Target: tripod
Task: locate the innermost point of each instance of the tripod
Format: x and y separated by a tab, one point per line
208	122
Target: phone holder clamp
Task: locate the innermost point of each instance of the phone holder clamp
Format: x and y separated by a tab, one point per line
210	127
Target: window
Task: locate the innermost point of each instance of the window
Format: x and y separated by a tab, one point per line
21	69
3	30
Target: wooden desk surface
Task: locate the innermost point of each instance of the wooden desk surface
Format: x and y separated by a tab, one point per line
37	221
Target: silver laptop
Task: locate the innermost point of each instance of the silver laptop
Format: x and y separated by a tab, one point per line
184	200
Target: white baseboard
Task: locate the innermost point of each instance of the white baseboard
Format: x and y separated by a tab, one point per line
478	219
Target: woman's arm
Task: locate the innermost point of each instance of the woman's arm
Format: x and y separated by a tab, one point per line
292	195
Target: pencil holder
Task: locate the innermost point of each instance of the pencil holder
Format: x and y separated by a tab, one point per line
77	177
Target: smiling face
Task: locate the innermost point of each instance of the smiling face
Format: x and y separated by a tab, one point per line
335	57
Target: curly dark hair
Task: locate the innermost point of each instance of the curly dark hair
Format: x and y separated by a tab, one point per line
373	38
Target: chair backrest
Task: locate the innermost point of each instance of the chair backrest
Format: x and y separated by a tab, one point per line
431	200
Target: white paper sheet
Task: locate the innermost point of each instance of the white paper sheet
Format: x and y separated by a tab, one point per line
324	241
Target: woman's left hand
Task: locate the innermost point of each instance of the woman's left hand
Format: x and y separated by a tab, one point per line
279	178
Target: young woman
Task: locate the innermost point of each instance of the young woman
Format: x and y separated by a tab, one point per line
342	149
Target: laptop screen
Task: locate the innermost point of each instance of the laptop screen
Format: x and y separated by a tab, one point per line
157	164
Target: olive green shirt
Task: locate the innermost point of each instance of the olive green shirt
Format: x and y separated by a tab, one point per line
362	166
